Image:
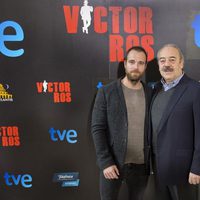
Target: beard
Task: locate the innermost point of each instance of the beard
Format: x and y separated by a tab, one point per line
134	77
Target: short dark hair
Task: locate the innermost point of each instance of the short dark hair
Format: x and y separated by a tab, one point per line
138	49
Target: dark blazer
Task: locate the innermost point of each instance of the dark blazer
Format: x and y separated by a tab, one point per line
110	125
178	140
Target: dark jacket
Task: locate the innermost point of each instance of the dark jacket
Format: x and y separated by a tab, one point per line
110	125
178	139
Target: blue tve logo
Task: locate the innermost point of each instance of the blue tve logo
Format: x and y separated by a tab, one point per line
196	27
18	36
69	135
99	85
23	180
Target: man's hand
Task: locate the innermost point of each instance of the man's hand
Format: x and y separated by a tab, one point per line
111	172
194	179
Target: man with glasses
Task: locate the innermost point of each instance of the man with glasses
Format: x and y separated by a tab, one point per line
175	120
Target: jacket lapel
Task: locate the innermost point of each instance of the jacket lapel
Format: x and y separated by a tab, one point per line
179	90
121	97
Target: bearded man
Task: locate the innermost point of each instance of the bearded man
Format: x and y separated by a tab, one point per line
119	129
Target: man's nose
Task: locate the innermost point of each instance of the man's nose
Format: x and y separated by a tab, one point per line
167	62
135	65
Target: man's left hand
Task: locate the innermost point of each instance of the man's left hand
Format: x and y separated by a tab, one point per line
194	179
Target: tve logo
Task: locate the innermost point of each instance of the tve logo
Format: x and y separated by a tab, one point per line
196	27
69	135
23	180
18	36
99	85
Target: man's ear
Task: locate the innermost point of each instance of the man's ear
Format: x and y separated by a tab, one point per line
125	63
182	63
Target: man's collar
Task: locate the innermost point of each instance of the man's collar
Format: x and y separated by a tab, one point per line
168	86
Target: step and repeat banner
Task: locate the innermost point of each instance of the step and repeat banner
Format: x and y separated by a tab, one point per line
54	55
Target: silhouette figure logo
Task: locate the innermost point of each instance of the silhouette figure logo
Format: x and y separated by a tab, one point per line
86	16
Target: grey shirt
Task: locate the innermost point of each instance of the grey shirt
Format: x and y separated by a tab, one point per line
135	103
158	108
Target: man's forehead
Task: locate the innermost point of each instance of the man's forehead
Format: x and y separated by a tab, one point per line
134	53
169	51
162	57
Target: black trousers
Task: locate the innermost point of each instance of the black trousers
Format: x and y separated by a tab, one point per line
171	192
134	175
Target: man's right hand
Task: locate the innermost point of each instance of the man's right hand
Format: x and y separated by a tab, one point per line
111	172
